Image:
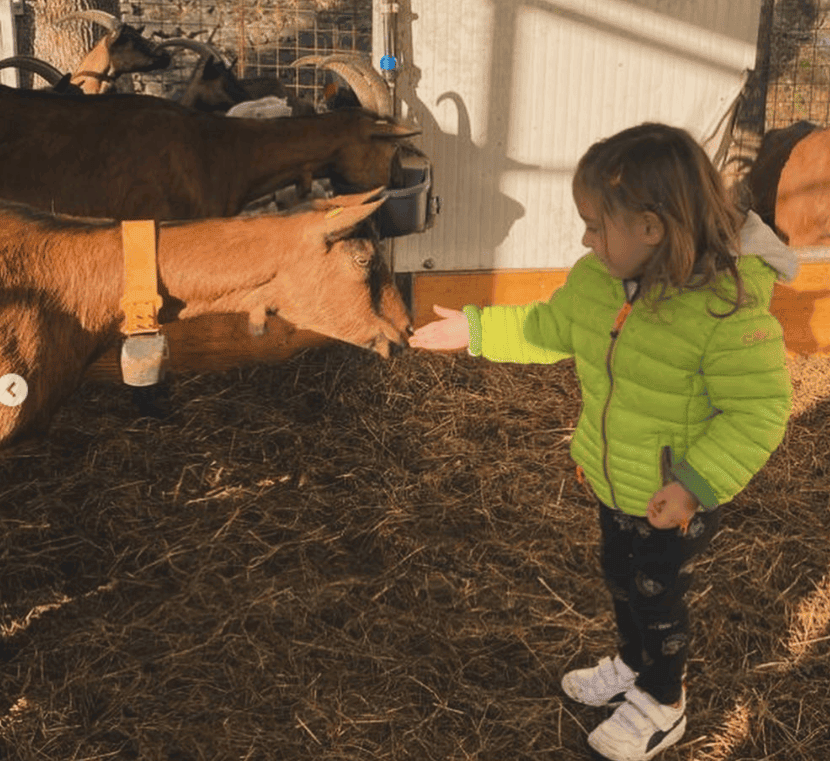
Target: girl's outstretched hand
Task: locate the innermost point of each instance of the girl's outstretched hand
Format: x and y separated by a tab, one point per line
452	332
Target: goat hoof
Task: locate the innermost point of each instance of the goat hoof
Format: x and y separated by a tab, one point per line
256	330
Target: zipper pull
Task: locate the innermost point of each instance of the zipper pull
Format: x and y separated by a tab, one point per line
622	316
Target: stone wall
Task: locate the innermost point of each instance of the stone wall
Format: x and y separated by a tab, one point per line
264	36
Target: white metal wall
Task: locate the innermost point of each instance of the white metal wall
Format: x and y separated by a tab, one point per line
510	93
8	45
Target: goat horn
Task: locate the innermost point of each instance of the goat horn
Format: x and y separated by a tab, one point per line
205	48
97	17
370	89
375	80
355	79
35	65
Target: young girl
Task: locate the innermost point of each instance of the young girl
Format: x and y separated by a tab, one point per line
685	396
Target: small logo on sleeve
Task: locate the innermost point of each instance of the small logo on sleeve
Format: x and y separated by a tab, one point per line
752	338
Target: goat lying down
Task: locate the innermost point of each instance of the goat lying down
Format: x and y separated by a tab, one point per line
61	280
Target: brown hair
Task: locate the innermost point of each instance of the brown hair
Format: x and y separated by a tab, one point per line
658	168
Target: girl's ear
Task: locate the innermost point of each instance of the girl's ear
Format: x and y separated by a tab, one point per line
653	230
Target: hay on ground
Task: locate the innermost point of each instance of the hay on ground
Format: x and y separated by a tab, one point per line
345	558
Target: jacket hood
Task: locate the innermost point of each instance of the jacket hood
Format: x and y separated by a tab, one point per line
758	239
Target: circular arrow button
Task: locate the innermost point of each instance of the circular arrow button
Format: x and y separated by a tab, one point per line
13	390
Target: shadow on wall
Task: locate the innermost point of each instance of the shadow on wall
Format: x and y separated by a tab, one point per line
476	165
478	190
479	213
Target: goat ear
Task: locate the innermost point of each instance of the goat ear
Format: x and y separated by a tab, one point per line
339	221
384	130
63	83
355	199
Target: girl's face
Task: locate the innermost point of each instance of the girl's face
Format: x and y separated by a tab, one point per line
627	241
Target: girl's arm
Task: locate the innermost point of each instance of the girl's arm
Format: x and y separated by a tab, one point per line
535	333
528	334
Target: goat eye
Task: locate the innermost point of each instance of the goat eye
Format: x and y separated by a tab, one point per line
362	261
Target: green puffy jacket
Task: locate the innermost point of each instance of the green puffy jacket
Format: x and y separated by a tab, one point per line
713	394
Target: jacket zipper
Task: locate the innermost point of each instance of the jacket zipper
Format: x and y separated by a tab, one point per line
622	316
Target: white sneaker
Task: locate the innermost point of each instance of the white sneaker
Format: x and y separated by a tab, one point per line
604	684
640	728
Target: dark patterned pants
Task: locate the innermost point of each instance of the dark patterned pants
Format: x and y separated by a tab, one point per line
648	572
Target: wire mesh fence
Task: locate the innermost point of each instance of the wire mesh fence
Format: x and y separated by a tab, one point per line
263	36
798	86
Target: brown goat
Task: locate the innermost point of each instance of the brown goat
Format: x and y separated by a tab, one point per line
62	280
802	206
213	88
765	173
123	49
140	157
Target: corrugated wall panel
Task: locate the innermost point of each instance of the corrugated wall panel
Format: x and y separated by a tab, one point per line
8	77
510	95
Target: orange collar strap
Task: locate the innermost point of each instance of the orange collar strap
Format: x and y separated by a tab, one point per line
141	300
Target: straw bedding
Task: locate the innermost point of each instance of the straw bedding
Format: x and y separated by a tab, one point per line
345	558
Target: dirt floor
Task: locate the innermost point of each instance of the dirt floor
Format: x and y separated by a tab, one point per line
345	558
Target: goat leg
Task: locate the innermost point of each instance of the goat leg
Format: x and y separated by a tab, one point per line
256	320
304	183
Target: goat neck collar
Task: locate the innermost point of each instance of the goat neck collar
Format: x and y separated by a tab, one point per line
141	300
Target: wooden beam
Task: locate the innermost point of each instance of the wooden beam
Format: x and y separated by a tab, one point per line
455	289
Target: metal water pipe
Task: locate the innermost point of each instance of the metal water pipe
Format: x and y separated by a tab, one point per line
390	24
